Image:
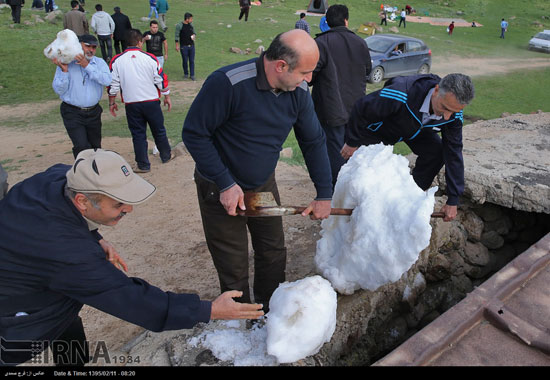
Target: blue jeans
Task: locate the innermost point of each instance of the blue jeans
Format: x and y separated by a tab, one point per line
153	9
188	54
138	116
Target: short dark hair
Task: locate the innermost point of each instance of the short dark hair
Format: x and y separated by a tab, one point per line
153	22
116	9
278	50
302	15
187	16
98	7
337	15
459	85
74	3
133	37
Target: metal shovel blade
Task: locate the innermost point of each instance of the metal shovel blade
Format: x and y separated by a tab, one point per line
264	204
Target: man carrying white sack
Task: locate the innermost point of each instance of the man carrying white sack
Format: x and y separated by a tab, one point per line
80	85
53	260
413	109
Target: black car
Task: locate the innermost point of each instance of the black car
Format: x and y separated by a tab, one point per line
394	55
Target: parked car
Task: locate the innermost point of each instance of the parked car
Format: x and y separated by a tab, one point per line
394	55
541	42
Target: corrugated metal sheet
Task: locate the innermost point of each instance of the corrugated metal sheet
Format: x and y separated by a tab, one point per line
503	322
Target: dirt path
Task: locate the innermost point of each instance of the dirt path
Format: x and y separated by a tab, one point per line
162	240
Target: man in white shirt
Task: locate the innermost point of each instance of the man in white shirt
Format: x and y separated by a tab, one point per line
139	78
403	17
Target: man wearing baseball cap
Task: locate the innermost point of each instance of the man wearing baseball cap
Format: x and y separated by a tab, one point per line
53	261
80	85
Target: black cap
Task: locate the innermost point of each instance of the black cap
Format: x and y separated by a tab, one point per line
88	39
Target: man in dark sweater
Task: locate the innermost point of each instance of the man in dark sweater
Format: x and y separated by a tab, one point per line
234	131
414	109
185	44
53	260
339	80
122	27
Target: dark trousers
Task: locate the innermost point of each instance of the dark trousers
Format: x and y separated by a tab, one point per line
335	142
16	13
138	116
403	21
70	349
227	240
120	45
384	21
83	126
429	149
48	4
106	47
244	12
188	56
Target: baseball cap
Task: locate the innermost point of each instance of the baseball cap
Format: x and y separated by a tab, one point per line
106	172
88	39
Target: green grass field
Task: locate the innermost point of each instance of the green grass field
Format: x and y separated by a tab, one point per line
27	74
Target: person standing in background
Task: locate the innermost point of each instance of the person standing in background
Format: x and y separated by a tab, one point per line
450	28
302	23
122	26
162	8
153	8
155	42
245	8
185	44
503	28
16	10
403	18
103	25
80	85
76	20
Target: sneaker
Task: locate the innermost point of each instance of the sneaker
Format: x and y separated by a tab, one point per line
192	78
140	170
172	156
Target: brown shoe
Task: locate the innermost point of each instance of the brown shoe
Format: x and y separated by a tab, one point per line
139	170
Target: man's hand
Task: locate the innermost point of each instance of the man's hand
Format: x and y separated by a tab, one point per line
113	256
63	66
224	307
231	199
113	108
318	210
81	60
450	212
168	102
347	151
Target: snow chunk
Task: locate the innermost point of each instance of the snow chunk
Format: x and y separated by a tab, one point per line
301	319
388	229
65	47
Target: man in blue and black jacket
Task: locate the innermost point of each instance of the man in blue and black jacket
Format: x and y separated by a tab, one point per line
413	109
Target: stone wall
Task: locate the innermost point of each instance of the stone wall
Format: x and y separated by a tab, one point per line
462	255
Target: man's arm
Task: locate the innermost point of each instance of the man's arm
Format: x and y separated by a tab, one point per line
99	72
210	109
451	136
61	78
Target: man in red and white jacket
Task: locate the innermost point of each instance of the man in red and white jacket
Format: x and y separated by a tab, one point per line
139	78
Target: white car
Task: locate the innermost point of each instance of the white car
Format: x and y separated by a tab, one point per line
541	41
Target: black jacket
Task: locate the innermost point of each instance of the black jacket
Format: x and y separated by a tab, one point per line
392	114
51	264
122	25
340	77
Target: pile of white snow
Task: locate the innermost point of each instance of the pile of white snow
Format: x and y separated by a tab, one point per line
65	47
301	318
389	227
